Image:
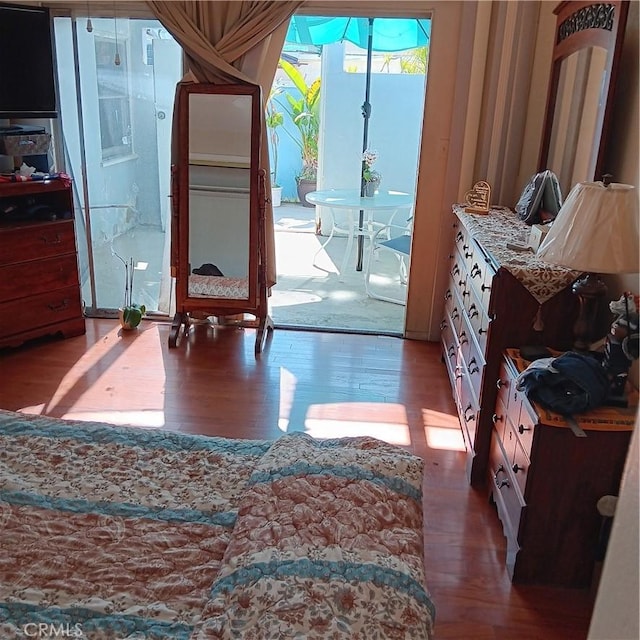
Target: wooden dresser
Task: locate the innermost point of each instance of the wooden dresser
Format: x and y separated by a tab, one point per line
546	481
39	284
496	298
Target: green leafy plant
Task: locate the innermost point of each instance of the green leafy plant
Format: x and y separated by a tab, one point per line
304	112
274	119
131	313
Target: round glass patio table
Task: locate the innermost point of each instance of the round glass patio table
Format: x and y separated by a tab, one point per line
350	201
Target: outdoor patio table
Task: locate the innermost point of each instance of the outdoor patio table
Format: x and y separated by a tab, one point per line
352	203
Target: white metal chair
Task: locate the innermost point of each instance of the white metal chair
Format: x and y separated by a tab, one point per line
397	240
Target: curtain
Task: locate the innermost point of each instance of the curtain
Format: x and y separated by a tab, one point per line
231	42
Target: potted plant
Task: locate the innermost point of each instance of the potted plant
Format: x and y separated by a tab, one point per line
305	114
371	177
274	119
131	313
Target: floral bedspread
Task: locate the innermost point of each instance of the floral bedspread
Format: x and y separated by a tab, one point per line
121	533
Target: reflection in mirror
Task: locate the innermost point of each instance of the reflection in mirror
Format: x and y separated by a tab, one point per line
577	117
219	194
587	48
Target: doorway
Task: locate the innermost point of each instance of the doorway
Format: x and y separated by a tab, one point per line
116	80
312	292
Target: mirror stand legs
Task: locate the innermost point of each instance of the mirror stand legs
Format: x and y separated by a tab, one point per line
265	325
178	320
262	324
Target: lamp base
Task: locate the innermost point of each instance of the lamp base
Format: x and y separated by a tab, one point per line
590	289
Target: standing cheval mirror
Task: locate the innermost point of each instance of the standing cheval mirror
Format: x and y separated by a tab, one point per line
218	235
587	48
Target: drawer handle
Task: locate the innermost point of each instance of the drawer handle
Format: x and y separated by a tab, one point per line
517	468
458	373
476	270
461	283
468	254
504	483
485	287
472	416
500	383
59	307
522	429
499	470
473	366
496	418
47	240
466	293
455	270
481	330
443	325
459	235
454	314
463	338
465	247
473	311
448	295
451	350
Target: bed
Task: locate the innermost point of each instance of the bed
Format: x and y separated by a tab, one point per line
122	533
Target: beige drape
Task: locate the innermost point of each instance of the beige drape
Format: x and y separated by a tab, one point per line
231	42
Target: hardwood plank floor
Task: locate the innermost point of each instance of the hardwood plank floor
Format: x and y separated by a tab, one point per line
328	385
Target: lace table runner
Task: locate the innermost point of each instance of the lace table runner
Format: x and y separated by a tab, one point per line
501	226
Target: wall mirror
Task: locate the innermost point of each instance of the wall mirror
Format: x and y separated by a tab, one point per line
588	43
218	231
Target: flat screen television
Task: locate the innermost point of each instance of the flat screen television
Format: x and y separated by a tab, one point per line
27	83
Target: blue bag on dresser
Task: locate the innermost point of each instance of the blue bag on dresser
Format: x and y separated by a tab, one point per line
571	383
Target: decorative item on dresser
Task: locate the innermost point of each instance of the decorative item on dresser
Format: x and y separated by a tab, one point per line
39	284
547	474
496	298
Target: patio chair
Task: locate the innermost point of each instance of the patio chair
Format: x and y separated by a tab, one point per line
397	240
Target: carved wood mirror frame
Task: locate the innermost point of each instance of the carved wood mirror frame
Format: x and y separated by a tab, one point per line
587	49
218	209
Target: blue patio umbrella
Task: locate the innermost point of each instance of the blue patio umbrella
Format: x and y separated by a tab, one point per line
372	34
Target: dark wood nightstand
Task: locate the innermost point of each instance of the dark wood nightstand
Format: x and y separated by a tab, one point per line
546	481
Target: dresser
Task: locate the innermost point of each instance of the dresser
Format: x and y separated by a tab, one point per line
546	479
496	298
39	284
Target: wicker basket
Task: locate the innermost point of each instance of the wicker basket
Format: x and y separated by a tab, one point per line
27	145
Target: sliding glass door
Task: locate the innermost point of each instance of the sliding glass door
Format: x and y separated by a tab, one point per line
116	85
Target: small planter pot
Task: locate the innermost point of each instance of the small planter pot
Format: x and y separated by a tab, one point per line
132	318
304	187
276	196
370	188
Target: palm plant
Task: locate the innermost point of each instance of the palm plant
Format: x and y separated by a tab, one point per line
305	114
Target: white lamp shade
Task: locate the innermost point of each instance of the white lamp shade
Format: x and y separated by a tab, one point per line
596	230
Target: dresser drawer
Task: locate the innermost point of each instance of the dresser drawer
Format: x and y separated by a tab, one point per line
33	242
478	317
468	409
525	425
505	489
516	458
39	311
23	280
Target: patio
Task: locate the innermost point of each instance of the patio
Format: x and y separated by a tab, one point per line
313	297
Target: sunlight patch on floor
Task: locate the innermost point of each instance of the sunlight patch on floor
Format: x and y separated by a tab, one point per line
385	421
442	431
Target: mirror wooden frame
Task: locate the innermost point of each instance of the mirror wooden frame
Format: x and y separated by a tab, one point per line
227	310
581	25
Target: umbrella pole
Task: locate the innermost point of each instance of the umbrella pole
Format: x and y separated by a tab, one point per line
366	113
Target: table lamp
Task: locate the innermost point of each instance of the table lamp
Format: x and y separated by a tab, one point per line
595	231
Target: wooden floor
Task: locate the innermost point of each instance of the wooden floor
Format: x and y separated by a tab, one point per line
328	385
